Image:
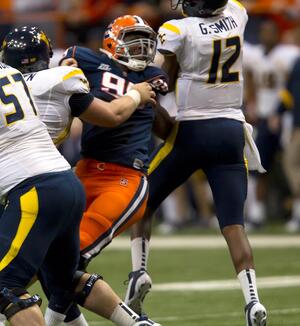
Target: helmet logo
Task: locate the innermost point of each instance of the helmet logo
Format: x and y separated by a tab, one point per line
162	37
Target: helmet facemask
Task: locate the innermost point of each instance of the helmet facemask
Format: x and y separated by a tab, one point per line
136	47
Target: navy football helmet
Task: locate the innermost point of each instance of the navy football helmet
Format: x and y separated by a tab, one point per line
200	8
27	49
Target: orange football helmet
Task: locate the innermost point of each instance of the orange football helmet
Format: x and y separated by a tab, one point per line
130	41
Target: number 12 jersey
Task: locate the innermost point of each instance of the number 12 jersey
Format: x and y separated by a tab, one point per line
209	53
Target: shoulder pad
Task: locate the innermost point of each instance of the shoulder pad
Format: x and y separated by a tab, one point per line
237	5
172	26
66	80
74	80
152	71
86	58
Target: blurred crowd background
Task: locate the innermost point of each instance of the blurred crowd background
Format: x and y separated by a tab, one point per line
272	39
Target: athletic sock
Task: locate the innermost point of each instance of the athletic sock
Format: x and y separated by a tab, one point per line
139	253
53	318
123	315
247	280
2	320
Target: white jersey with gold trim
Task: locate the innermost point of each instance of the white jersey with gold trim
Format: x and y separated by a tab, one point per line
26	148
52	89
270	72
209	53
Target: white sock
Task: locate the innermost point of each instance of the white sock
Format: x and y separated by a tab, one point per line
139	253
247	280
296	209
53	318
123	315
79	321
2	320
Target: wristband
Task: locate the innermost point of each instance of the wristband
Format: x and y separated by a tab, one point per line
135	95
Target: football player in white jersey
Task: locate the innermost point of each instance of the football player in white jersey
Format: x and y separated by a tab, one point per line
33	45
268	66
206	47
39	228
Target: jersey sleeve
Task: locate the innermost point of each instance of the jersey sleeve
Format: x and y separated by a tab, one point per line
74	81
170	37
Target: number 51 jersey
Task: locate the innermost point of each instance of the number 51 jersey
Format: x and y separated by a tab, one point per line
26	148
209	53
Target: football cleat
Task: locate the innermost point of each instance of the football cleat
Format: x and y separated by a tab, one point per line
256	314
144	321
139	284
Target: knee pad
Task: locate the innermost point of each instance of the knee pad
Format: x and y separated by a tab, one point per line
10	303
81	296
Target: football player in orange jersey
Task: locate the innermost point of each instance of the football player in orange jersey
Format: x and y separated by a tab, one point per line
114	163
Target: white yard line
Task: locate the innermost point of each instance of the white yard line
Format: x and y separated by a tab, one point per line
263	283
209	242
200	316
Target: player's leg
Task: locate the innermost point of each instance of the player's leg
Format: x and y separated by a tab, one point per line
96	295
61	262
105	184
169	168
109	183
25	235
227	176
292	170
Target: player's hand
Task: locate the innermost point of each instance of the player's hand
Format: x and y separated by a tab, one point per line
159	85
71	62
146	92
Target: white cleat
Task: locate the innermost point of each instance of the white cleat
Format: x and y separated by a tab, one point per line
138	286
256	314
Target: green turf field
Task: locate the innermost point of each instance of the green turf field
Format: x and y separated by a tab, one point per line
191	307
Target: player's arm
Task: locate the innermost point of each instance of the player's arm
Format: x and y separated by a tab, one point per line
168	63
111	114
169	44
163	123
